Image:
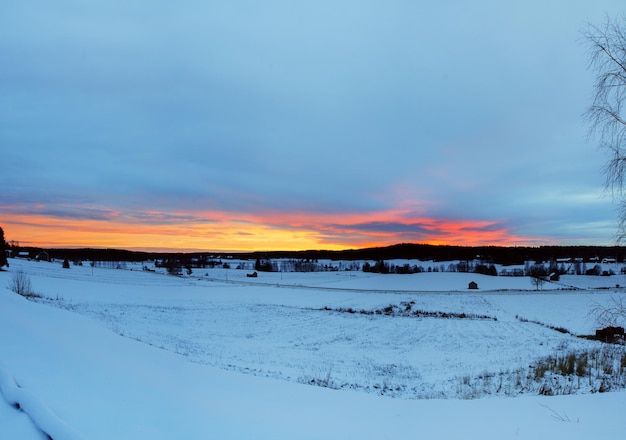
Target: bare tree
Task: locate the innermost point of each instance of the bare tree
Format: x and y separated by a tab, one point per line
607	121
611	314
538	275
537	282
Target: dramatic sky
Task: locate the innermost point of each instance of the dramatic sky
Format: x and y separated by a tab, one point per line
279	124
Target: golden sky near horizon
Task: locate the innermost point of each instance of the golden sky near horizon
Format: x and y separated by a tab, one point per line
276	232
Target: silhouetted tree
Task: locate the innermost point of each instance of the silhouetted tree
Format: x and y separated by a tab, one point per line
173	266
3	250
263	265
486	270
380	267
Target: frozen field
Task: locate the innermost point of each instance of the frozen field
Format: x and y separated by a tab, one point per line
292	331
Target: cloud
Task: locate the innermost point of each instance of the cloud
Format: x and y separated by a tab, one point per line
199	113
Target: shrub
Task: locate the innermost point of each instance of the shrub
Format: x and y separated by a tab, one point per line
20	284
566	364
582	365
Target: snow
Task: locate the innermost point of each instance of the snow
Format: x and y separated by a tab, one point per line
131	354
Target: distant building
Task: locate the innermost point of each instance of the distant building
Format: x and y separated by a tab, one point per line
43	256
472	285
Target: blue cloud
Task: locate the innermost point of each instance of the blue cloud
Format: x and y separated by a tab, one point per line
316	106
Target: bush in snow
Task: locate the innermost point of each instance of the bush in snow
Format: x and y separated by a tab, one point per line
20	284
588	371
405	310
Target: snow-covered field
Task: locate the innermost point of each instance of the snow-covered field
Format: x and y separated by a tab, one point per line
114	354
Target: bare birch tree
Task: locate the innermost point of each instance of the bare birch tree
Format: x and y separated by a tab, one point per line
607	121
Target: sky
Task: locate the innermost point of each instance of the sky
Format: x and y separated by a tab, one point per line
246	125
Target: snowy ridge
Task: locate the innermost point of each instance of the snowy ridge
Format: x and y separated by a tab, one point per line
48	422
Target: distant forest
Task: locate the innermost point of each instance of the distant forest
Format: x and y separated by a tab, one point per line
424	252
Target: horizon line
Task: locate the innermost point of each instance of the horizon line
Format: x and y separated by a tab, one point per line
347	249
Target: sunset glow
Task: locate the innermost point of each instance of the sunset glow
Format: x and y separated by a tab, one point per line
212	231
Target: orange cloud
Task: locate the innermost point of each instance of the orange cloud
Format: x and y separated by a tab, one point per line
212	230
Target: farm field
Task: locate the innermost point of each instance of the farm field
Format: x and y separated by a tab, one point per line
297	355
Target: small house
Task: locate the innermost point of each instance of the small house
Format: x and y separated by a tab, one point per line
43	256
472	285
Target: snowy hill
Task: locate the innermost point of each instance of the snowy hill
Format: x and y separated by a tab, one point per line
134	354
